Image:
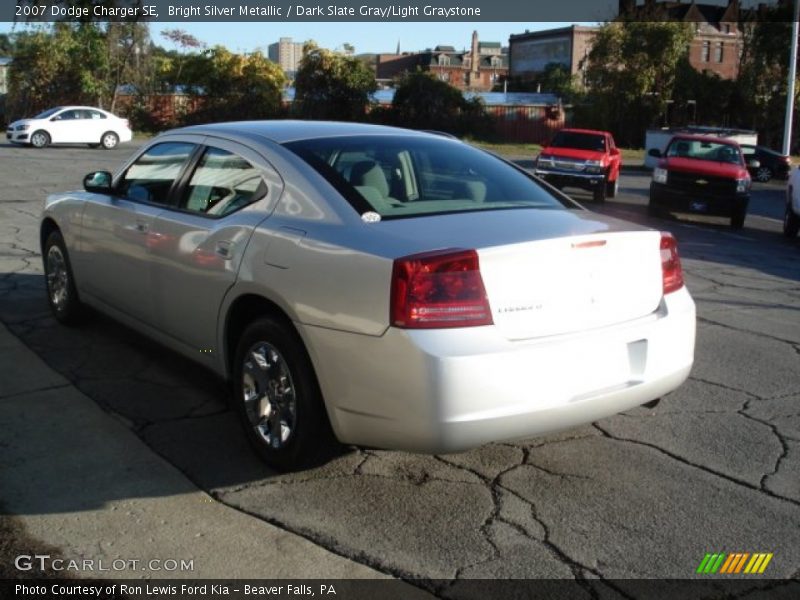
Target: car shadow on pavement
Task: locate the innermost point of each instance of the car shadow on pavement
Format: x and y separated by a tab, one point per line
178	408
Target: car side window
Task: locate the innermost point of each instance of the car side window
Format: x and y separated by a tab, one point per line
221	184
150	178
94	114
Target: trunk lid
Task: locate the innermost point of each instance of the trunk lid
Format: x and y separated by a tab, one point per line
567	284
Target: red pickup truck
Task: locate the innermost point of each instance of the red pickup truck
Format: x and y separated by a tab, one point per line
701	174
581	158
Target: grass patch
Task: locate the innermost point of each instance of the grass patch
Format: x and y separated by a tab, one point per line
630	156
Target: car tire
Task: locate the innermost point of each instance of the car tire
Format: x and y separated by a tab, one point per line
600	192
791	222
737	219
62	295
277	397
612	188
763	174
109	140
40	139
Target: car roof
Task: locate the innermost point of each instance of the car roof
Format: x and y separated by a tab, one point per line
704	138
282	131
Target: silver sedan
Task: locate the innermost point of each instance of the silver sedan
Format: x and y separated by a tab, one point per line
372	285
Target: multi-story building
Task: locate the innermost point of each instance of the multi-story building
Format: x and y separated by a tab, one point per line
716	46
287	54
477	69
532	51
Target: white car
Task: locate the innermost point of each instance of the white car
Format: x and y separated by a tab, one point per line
791	219
71	125
394	288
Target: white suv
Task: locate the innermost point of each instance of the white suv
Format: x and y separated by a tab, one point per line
71	125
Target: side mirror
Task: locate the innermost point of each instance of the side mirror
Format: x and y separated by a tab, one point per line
753	164
98	182
615	151
654	152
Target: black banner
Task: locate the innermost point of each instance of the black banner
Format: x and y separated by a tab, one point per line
361	10
705	588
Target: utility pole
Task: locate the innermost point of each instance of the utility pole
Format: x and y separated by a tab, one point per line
787	125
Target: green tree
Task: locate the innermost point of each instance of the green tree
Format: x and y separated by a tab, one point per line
762	82
329	85
631	74
6	45
59	64
236	86
422	101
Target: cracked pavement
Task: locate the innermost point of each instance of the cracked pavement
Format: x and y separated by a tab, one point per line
714	467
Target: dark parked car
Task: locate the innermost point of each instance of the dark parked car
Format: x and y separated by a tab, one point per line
772	165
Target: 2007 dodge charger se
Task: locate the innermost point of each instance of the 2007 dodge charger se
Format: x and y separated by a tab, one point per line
372	285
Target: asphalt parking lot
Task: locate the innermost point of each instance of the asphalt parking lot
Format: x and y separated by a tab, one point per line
646	494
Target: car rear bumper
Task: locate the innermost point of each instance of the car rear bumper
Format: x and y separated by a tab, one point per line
679	200
450	390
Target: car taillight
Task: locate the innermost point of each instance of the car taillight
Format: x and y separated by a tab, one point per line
438	289
671	272
126	123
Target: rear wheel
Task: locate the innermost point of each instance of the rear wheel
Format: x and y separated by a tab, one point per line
278	398
791	222
61	292
763	174
109	140
40	139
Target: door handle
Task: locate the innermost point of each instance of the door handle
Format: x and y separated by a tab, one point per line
141	226
224	249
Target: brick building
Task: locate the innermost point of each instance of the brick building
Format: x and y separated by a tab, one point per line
716	47
718	40
477	69
530	52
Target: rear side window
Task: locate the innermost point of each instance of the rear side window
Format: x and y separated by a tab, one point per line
150	178
222	183
406	176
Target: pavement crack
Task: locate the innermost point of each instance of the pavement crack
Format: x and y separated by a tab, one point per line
60	386
682	460
759	334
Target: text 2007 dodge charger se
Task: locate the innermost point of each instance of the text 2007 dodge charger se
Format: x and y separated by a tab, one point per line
372	285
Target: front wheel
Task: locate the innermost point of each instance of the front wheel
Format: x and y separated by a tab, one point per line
737	219
278	398
791	222
600	192
61	292
109	140
40	139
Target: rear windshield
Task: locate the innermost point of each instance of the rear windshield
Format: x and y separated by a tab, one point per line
399	176
581	141
703	150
